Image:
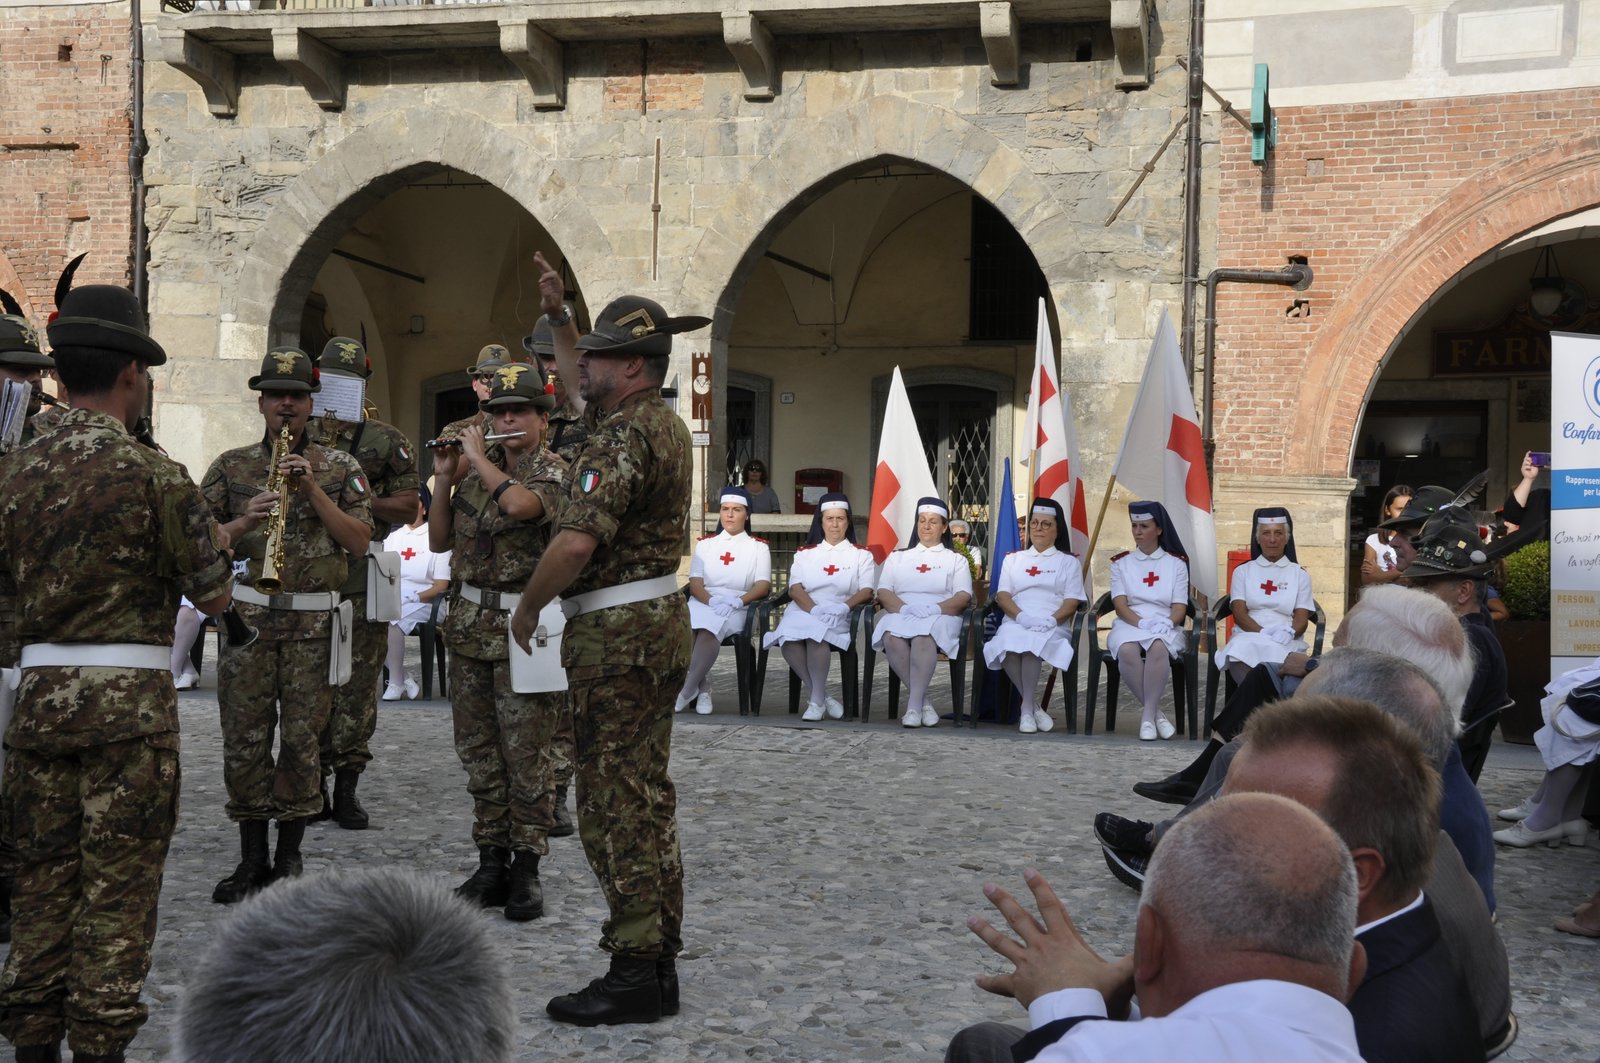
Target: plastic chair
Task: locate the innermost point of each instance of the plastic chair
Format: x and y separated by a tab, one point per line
849	660
1069	680
958	671
431	638
1214	623
1185	674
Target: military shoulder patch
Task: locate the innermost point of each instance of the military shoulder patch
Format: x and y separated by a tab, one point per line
588	480
403	451
358	484
1119	557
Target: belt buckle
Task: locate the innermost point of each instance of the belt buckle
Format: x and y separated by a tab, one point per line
280	601
491	600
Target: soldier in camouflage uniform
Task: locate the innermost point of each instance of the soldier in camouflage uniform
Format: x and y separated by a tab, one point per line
626	650
279	683
102	536
21	361
385	456
496	525
481	376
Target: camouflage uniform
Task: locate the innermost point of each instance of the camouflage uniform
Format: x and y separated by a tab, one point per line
386	457
280	682
105	535
568	433
629	488
502	737
9	646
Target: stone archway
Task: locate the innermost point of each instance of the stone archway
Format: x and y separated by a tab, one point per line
1502	202
359	172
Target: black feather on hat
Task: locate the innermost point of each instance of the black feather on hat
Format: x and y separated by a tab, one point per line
102	316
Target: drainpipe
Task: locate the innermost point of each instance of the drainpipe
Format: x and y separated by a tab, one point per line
136	150
1296	275
1193	178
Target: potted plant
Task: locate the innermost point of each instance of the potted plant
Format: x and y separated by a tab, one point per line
1525	639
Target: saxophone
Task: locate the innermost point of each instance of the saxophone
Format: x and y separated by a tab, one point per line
271	579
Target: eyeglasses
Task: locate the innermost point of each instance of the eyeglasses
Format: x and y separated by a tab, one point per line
483	378
959	535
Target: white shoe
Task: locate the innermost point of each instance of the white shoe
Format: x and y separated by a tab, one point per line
412	690
683	701
1025	722
702	704
393	692
833	708
1147	732
930	716
186	681
1164	727
1517	814
1042	720
1520	836
813	713
912	718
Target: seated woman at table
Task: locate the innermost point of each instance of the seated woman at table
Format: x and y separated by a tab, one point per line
924	589
1150	591
1271	599
830	576
729	570
1040	589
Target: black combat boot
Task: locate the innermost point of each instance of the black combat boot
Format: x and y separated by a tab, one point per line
347	810
490	885
563	825
7	884
110	1057
524	897
667	979
50	1053
286	862
327	804
253	871
628	993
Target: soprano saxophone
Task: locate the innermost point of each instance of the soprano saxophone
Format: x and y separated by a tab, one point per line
271	579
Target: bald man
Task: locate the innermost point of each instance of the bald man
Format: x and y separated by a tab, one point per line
1209	985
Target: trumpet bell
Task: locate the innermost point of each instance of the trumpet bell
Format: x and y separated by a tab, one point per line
268	585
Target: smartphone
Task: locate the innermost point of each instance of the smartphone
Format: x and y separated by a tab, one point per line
1539	458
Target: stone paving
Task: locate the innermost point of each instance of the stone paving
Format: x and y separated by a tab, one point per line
829	871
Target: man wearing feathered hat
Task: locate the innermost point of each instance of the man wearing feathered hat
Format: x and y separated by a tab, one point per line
282	683
102	535
626	650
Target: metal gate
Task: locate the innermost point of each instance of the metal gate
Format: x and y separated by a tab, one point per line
957	428
741	432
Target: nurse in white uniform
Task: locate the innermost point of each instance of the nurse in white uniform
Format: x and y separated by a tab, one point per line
1150	591
1271	599
729	570
830	576
1040	588
924	589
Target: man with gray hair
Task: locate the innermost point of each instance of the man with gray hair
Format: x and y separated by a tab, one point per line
1209	984
346	968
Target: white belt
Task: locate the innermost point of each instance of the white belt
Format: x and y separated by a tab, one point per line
497	601
299	603
96	655
642	590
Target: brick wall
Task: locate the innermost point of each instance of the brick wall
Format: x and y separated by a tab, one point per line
1362	191
65	121
674	81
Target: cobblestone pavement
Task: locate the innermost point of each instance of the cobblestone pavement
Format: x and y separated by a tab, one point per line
830	869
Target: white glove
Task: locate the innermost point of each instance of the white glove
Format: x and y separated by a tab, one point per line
1038	622
829	610
921	612
1156	625
723	604
1280	634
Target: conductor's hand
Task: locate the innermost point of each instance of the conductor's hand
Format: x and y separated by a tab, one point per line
552	292
1052	955
523	623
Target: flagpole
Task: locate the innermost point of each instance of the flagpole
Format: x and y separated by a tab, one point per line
1094	536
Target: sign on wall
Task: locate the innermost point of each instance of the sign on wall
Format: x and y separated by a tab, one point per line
1574	500
700	387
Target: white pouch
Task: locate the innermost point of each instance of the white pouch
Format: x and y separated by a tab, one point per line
339	621
383	584
540	672
10	680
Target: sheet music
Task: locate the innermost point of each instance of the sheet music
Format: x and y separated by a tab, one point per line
14	399
343	395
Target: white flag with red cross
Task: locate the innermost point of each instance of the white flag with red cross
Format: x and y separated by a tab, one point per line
1054	470
1162	458
902	476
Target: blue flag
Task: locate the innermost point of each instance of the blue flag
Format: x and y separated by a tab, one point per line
1003	536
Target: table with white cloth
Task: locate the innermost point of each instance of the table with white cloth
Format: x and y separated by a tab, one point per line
1038	582
923	575
728	565
1271	592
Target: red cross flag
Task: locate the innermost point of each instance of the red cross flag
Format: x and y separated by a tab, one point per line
901	477
1052	448
1162	459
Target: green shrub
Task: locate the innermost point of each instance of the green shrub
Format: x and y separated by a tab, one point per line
1526	591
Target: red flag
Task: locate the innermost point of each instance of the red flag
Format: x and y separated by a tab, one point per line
901	478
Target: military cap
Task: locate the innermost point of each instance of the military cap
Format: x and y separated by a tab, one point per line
491	357
19	345
345	357
1424	504
519	384
287	369
542	340
106	317
1449	545
633	324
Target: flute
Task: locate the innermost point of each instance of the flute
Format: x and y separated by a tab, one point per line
455	441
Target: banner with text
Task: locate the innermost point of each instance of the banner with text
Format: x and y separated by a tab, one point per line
1574	501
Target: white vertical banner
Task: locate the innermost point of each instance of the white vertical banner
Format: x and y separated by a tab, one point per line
1574	501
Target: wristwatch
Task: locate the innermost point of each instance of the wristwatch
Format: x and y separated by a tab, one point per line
564	320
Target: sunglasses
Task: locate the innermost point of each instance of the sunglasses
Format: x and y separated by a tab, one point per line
484	378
